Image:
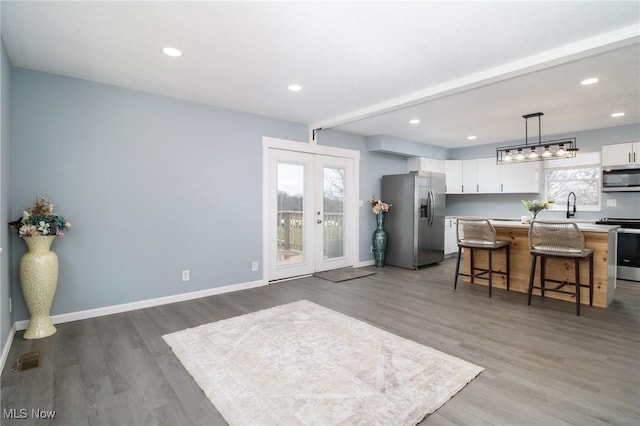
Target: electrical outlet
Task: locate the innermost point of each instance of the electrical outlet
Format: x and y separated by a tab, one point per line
254	266
185	275
612	203
371	249
10	305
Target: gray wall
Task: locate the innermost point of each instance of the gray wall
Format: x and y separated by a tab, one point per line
404	147
152	186
6	318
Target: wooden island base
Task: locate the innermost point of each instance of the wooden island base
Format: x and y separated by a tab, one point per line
604	271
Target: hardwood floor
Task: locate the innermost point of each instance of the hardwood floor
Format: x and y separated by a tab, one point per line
543	364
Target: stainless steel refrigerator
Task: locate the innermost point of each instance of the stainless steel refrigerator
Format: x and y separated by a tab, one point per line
415	222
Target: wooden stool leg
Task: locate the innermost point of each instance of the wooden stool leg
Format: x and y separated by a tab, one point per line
591	280
455	280
471	265
577	267
490	271
542	275
508	270
531	276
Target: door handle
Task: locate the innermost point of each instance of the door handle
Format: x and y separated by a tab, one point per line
432	208
319	221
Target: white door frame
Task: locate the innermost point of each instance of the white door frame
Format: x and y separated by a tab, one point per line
289	145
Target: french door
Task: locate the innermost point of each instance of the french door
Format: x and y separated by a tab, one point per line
312	211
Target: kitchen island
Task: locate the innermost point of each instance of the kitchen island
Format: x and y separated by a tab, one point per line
601	238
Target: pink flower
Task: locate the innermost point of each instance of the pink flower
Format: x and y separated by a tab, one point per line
378	206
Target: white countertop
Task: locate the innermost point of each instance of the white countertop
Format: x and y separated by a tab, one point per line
583	226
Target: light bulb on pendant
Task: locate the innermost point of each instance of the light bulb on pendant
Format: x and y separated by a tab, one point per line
546	153
507	156
561	152
533	154
519	155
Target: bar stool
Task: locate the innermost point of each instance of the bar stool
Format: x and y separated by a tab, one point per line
478	234
559	239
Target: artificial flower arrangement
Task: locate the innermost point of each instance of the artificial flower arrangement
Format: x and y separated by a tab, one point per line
378	206
535	206
40	219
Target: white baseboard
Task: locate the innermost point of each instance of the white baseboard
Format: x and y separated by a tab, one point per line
116	309
7	346
365	263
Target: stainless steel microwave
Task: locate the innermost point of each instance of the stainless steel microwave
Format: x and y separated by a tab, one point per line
620	180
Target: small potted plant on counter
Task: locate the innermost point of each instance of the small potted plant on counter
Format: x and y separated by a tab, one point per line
535	207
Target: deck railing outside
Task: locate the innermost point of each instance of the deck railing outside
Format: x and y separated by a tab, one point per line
290	232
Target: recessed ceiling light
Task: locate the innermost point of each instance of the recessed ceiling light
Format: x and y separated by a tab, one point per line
617	114
172	51
295	87
471	137
588	81
414	121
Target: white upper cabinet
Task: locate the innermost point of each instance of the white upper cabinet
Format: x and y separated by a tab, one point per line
469	176
480	176
487	176
520	177
453	171
422	164
622	154
484	176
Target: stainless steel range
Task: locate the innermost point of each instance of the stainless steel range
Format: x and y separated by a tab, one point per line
628	260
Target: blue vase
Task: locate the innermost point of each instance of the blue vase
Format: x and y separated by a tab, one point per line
380	241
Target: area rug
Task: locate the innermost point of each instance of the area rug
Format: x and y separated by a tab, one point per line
343	274
303	364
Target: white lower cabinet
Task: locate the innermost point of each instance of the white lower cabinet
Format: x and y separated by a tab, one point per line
450	239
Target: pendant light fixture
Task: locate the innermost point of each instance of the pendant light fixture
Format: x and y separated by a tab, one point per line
560	148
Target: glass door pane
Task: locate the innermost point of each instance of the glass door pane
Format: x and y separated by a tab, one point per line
333	201
290	213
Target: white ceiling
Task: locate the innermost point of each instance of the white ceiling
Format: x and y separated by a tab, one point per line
463	68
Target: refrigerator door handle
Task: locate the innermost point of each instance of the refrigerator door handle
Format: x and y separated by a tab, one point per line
432	207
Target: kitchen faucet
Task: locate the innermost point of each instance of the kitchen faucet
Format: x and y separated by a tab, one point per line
569	212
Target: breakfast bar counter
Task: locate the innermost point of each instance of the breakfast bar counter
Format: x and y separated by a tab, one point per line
601	238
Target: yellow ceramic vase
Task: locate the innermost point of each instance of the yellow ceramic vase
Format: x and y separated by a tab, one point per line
39	279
